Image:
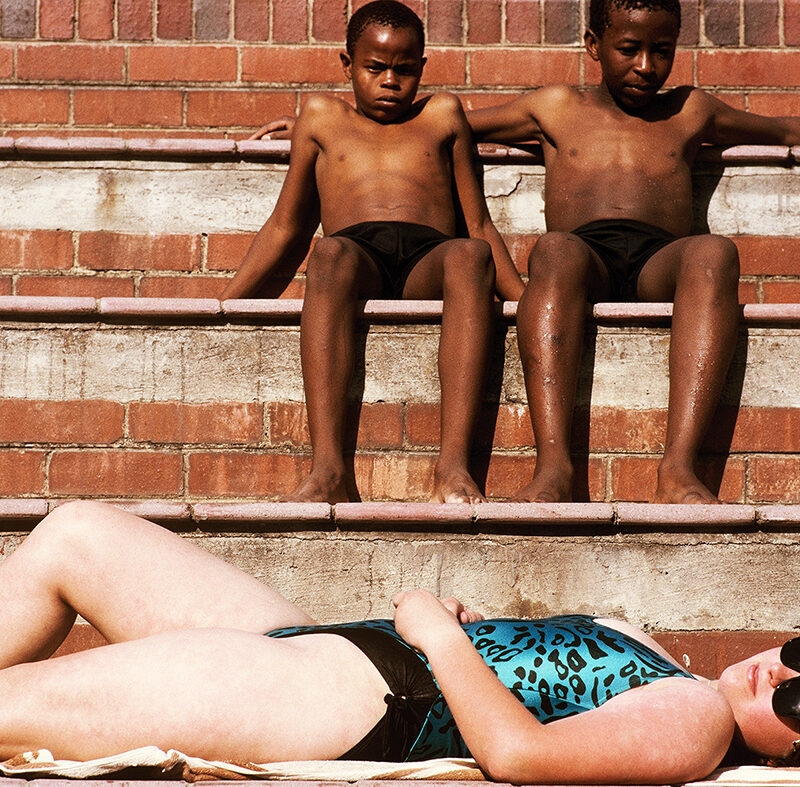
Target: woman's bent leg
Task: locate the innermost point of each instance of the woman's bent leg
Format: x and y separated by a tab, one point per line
126	576
212	693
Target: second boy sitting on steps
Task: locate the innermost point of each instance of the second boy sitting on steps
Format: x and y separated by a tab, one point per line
381	178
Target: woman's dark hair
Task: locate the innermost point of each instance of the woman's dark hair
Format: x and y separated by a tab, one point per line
388	13
600	11
791	760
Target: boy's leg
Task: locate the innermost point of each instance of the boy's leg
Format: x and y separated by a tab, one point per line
126	576
214	693
701	273
459	271
562	272
339	272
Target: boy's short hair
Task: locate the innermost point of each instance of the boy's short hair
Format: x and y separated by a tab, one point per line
600	11
388	13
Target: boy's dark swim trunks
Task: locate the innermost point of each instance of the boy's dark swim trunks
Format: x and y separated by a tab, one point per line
624	247
395	247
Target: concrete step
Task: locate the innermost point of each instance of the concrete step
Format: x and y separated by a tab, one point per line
196	400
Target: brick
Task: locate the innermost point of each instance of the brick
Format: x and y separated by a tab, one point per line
182	286
755	429
70	62
378	425
445	67
134	20
444	21
116	251
781	291
35	249
225	252
290	21
81	637
6	62
96	19
422	424
128	107
615	429
402	477
251	20
749	292
483	21
635	478
84	421
178	422
773	69
57	19
5	285
507	426
761	22
211	20
508	474
329	20
522	22
722	21
524	67
125	473
690	23
174	19
519	247
791	22
22	472
285	65
182	64
17	18
774	104
236	107
774	479
775	256
242	474
562	21
735	100
90	286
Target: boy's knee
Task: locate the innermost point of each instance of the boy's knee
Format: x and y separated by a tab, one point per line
558	256
332	259
472	258
714	257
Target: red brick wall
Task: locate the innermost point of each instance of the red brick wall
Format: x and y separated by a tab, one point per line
198	67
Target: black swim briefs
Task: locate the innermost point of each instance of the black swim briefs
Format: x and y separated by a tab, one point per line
412	688
624	247
395	247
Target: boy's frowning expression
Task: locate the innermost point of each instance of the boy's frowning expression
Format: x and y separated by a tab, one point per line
635	52
385	70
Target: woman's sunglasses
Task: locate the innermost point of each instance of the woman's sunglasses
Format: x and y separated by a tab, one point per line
786	697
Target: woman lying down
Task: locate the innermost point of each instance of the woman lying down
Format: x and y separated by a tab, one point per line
207	660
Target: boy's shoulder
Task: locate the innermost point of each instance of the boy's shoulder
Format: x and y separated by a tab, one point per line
322	104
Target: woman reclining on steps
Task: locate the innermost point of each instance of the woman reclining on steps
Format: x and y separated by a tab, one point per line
190	669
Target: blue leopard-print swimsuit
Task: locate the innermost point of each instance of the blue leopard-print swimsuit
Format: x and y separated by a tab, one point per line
556	667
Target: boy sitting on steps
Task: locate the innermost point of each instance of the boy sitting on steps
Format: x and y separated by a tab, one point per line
618	207
381	178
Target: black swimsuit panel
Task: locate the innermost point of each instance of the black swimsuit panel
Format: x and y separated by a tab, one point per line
624	247
395	247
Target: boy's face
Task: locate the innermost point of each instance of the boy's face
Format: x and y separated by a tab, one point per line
385	70
635	53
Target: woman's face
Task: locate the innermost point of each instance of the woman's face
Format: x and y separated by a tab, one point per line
748	686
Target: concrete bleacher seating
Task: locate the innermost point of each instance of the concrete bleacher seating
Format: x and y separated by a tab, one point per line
190	410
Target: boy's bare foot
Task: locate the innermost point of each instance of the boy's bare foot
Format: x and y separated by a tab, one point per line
548	486
320	487
681	486
455	486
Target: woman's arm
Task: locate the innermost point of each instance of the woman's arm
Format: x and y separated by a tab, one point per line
669	731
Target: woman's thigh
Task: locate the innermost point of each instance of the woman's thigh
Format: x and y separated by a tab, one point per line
212	693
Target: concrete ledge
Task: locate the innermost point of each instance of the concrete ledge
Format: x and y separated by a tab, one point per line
521	515
29	146
434	516
778	517
690	517
267	516
398	311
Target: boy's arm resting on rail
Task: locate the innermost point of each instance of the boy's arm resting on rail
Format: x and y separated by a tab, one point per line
673	730
290	227
279	128
516	120
729	126
476	214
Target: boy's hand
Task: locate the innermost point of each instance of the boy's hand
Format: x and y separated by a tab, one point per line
280	128
423	621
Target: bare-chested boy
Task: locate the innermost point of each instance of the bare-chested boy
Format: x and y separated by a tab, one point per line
381	178
618	207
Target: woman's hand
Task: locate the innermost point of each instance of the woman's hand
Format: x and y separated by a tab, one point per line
463	613
280	128
424	621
